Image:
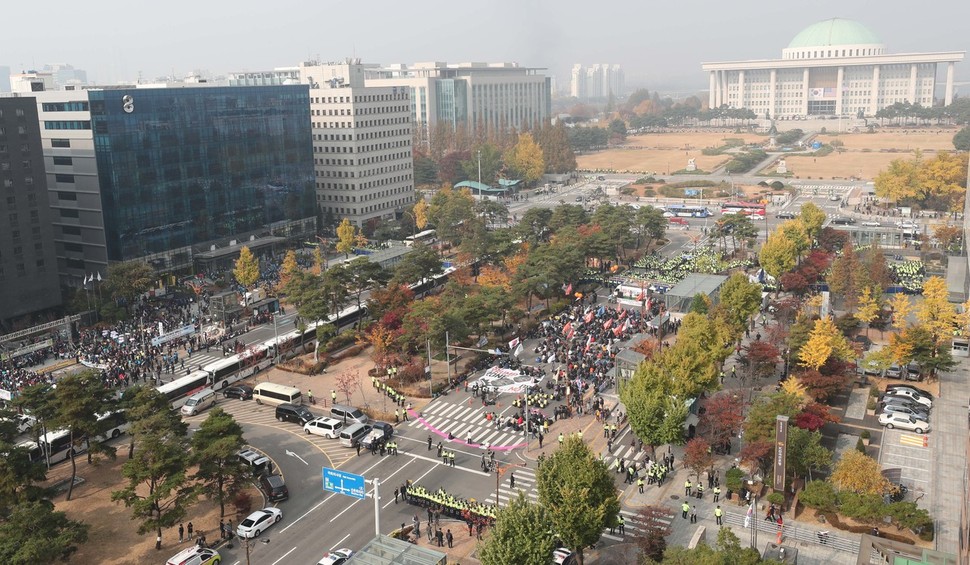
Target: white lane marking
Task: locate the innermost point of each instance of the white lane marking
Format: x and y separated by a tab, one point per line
336	545
284	555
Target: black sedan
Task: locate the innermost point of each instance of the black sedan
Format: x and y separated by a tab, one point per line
242	392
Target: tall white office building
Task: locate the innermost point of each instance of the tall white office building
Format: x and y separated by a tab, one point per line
834	67
362	157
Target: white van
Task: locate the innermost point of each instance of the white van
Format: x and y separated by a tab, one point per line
274	394
199	402
195	556
353	434
348	414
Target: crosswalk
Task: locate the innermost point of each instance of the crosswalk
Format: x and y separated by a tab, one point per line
465	422
248	412
525	482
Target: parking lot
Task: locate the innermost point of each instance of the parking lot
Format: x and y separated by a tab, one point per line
906	458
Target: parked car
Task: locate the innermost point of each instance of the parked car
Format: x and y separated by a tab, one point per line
274	488
864	342
835	198
336	557
23	422
380	430
242	392
903	422
840	221
870	224
889	399
912	395
909	387
257	522
256	461
324	426
903	409
785	215
913	372
195	556
904	225
894	372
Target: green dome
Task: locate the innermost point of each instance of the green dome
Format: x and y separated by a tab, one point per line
835	31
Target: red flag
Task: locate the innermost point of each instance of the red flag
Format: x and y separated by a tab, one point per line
589	317
641	295
607	324
617	331
622	314
569	289
571	334
567	328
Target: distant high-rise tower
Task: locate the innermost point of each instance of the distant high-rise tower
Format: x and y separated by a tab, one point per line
597	81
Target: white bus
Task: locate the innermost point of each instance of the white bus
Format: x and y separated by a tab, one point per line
118	424
426	237
185	385
54	447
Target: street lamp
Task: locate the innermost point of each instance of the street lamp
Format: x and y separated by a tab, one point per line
323	251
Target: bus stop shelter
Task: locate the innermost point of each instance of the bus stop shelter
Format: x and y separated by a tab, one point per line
679	298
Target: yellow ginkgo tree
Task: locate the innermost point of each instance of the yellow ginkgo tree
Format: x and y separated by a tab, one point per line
824	341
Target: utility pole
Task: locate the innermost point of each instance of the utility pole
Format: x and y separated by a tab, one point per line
447	358
377	508
430	380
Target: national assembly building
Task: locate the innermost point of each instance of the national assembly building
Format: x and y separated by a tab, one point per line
835	67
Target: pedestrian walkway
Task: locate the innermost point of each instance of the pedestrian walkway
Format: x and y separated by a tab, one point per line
466	422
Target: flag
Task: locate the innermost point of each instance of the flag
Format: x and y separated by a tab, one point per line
513	343
569	289
648	305
642	295
85	280
607	324
623	314
567	328
571	334
99	276
588	318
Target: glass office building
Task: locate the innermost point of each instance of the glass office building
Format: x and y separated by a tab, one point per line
182	166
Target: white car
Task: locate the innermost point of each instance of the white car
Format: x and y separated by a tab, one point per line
336	557
23	422
912	395
906	225
563	556
903	421
870	224
323	426
257	522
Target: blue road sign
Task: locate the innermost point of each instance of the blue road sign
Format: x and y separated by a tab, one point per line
691	192
345	483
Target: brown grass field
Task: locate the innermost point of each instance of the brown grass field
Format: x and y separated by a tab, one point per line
648	160
669	152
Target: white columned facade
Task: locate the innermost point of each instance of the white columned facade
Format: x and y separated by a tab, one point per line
948	93
717	94
840	77
724	87
805	75
772	85
710	91
874	102
913	70
740	89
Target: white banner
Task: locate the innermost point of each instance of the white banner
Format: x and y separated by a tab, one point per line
174	334
27	349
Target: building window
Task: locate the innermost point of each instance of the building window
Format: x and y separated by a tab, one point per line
63	161
67	124
64	178
62	143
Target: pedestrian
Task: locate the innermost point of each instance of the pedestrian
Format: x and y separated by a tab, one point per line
181	533
189	530
405	412
222	529
693	514
358	449
397	493
470	526
640	485
684	509
540	440
717	514
560	439
309	395
429	442
397	416
450	538
511	480
440	538
622	524
333	396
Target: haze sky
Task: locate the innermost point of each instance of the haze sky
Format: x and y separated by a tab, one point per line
660	44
